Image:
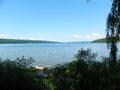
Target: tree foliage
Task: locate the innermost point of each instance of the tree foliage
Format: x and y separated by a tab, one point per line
83	73
113	30
86	73
18	75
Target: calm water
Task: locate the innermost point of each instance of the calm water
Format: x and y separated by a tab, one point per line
49	54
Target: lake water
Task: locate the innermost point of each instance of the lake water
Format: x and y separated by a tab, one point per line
50	53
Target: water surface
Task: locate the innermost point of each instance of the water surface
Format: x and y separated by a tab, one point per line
50	53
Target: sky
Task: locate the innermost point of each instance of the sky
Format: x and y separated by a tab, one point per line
54	20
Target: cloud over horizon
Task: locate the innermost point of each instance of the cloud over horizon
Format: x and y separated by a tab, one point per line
4	36
88	37
76	37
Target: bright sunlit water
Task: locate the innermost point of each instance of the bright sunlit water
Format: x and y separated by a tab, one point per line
50	53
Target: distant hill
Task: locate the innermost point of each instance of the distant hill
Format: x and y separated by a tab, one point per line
6	41
102	40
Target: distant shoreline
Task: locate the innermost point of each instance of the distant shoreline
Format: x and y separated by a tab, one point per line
102	40
20	41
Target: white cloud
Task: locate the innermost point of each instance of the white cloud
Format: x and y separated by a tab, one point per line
4	36
29	38
89	37
23	38
96	34
76	36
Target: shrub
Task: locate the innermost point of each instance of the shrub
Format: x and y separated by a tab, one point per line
86	55
17	75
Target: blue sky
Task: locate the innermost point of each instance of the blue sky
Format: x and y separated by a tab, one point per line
58	20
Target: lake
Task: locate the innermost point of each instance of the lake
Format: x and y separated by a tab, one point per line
46	54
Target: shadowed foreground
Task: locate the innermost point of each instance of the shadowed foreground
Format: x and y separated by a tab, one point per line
84	73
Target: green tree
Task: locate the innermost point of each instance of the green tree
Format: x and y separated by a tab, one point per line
113	30
19	75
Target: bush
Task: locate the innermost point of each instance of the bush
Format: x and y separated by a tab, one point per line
86	55
17	75
84	73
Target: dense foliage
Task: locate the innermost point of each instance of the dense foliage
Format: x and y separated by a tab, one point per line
17	75
83	73
113	30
